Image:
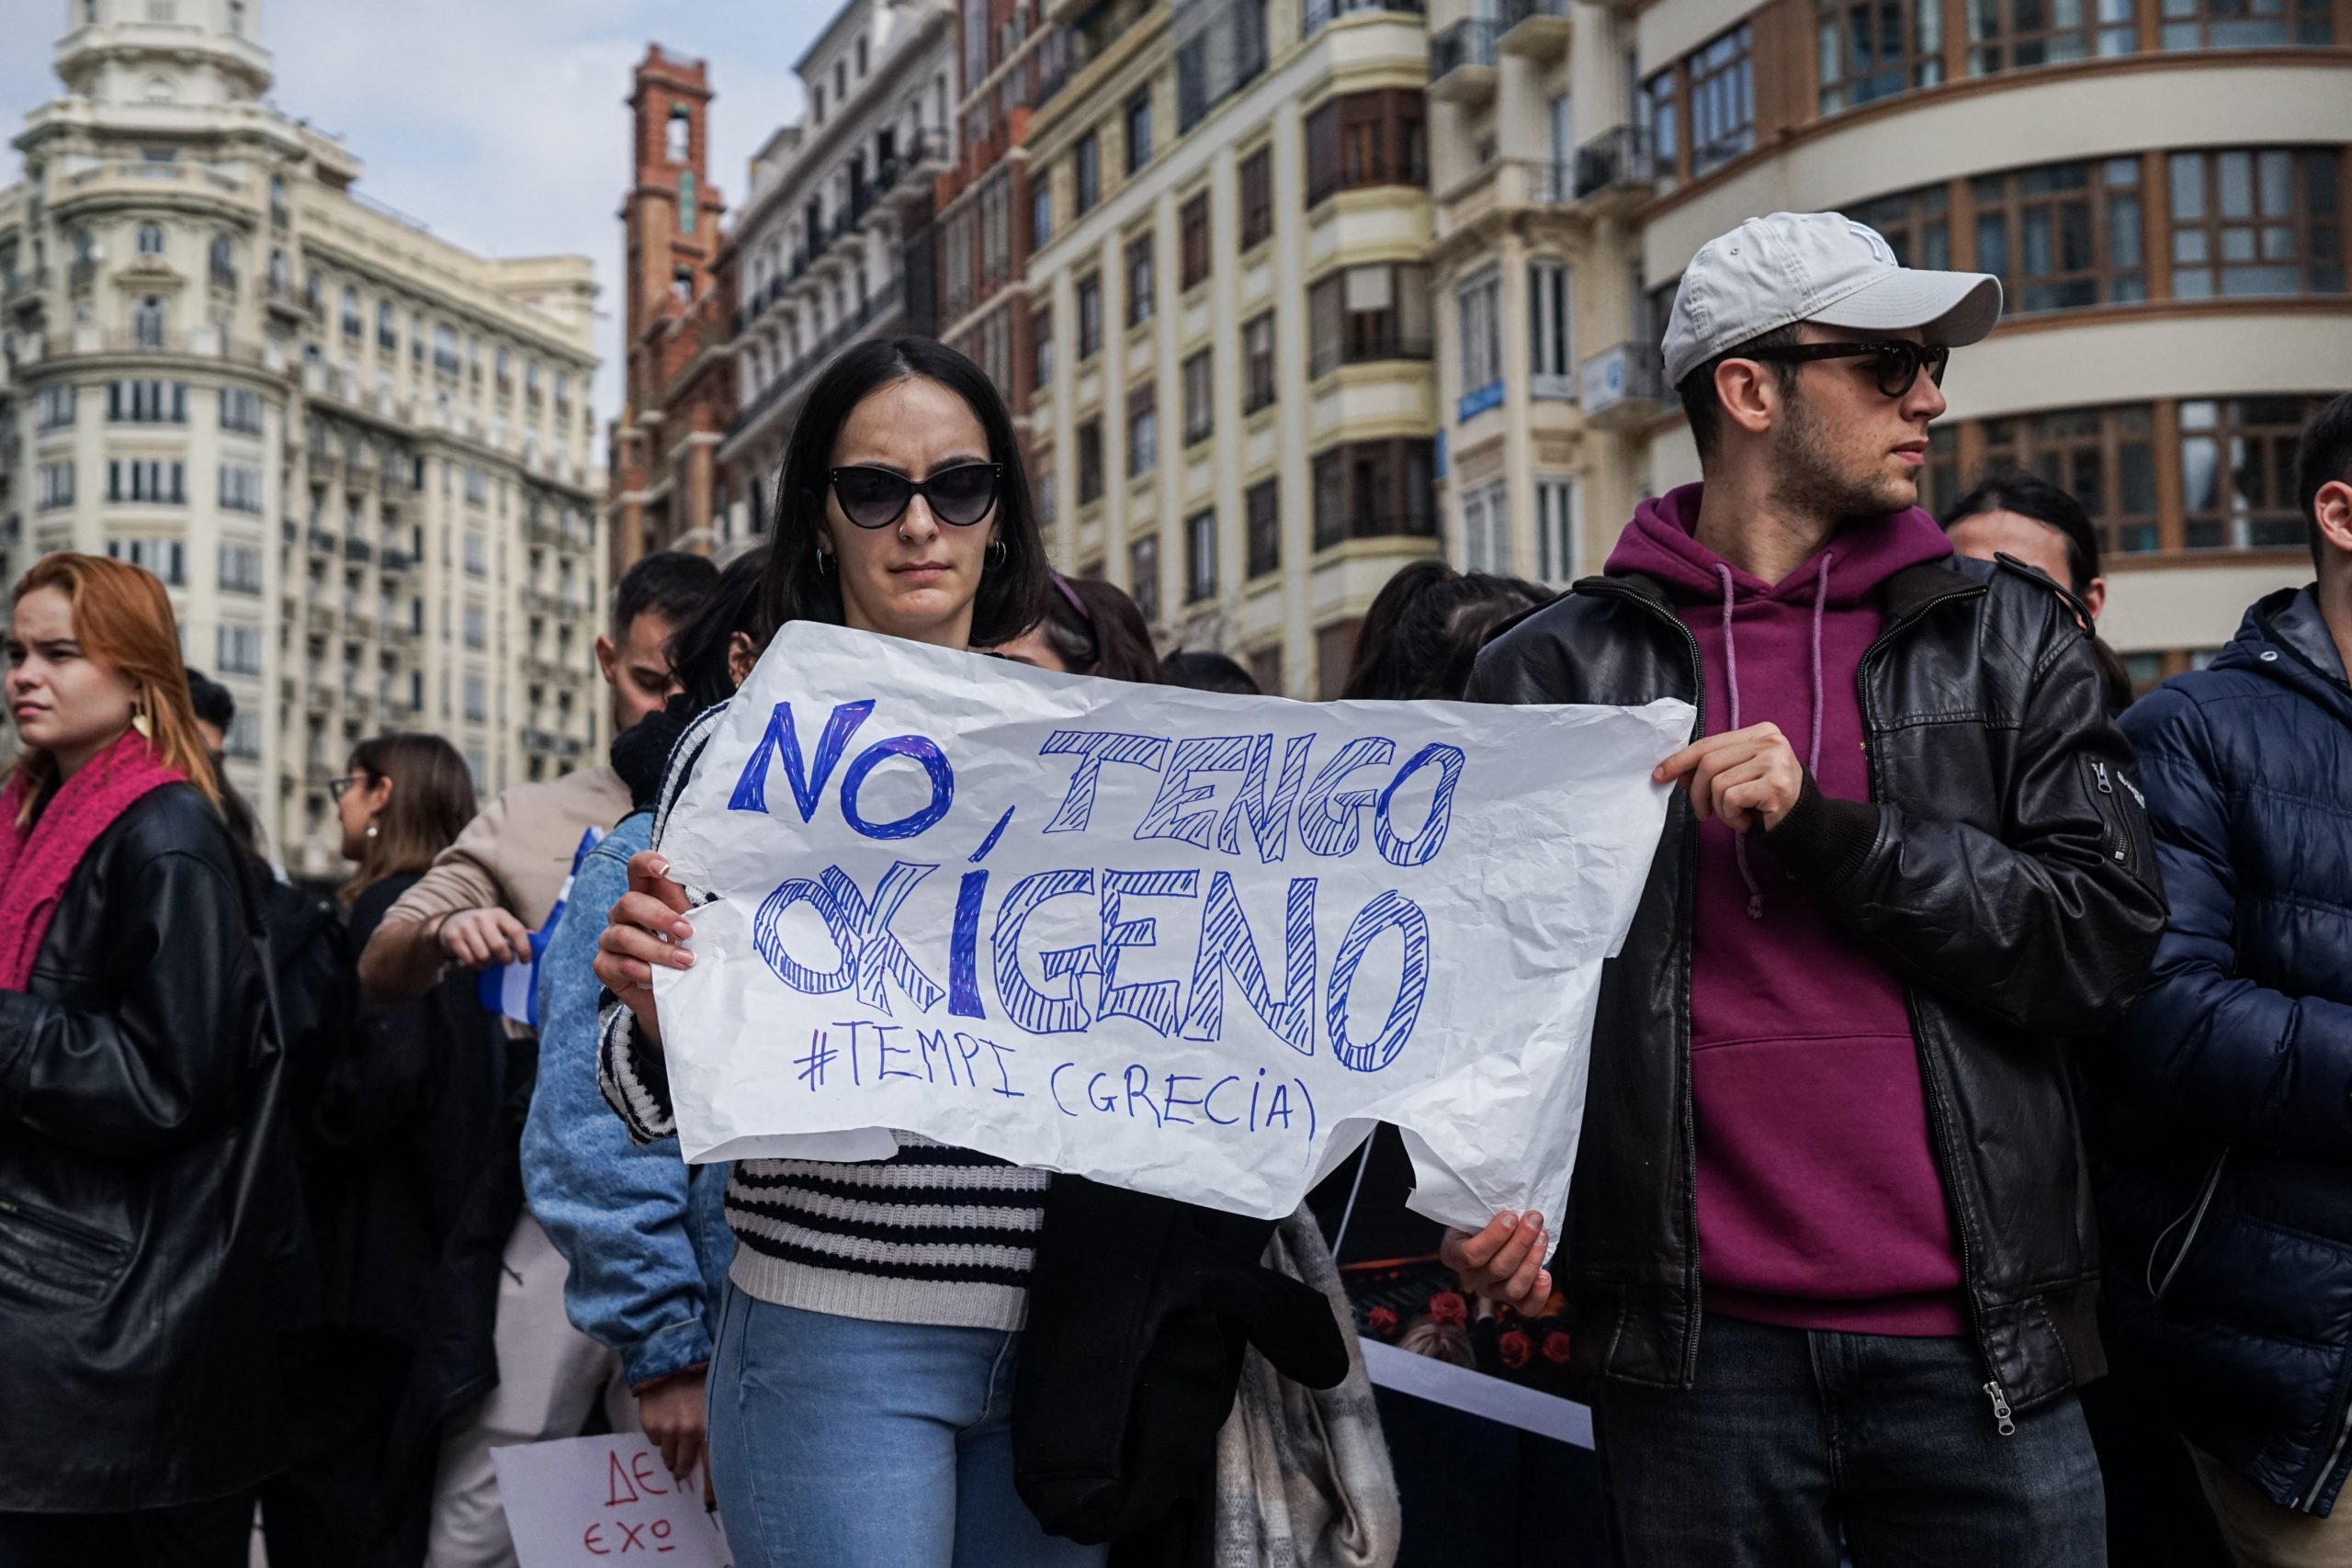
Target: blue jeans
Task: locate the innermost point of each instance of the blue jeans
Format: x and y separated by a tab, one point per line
838	1442
1791	1440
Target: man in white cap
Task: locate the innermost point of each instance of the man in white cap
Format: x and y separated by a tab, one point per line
1829	1248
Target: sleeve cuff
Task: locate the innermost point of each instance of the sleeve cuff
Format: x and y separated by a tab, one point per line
1823	841
664	1352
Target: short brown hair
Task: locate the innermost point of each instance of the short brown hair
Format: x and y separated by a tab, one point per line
432	801
1703	408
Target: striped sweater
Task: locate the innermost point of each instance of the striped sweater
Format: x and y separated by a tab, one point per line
933	1234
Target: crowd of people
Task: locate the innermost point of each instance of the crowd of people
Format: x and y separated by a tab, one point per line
1966	1160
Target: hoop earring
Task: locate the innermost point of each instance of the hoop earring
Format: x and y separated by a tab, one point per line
998	552
824	562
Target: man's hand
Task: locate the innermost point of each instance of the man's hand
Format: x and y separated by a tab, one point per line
643	930
1745	776
479	938
670	1411
1505	1261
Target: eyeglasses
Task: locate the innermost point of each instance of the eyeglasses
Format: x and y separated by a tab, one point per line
335	787
1896	363
876	498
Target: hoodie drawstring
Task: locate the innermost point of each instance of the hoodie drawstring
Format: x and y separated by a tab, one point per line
1731	676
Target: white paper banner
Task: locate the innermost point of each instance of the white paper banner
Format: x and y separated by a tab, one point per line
1189	943
582	1501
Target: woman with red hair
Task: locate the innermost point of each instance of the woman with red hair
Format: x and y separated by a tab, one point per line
149	1236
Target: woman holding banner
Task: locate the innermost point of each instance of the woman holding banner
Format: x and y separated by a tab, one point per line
860	1385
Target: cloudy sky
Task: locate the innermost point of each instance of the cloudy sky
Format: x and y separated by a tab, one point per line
501	124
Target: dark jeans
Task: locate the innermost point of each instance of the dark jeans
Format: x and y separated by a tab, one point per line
1792	1440
197	1535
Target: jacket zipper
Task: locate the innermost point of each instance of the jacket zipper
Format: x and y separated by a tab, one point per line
1938	1091
59	1225
2319	1483
2195	1218
1689	897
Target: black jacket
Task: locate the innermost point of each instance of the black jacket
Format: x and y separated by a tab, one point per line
150	1230
2001	869
2227	1181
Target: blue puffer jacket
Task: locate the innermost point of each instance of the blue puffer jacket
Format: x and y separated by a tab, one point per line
646	1235
2227	1198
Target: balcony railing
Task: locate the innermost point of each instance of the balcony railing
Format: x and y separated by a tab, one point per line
1550	16
880	303
1467	45
1619	160
1343	526
1624	384
1316	14
1366	348
925	154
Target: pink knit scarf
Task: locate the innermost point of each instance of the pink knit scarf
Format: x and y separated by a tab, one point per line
37	862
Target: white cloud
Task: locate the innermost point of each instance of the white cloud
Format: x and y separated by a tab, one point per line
502	125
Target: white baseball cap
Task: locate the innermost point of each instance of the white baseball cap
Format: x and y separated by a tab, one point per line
1786	267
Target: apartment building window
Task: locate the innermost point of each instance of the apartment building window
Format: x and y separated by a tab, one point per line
1361	314
956	250
477	486
1200	398
241	410
1559	527
1048	492
2257	221
2016	35
242	738
1257	362
150	239
1193	258
1089	440
1261	505
1200	557
2237	24
147	322
415	338
1041	348
1552	330
1143	575
996	231
240	650
388	327
1041	216
1373	489
352	325
2063	235
445	349
2237	473
53	407
158	480
1479	306
2105	458
1142	298
1874	49
1722	99
167	559
1486	527
1086	168
53	486
477	623
1255	177
147	402
240	489
1917	225
1090	317
477	548
241	568
1143	430
1365	139
1137	118
477	710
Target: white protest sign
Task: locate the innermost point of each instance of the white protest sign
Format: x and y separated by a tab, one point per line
1188	943
584	1502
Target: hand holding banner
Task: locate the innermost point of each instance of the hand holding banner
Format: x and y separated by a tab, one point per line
1188	943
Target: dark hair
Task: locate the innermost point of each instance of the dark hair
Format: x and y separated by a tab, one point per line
1426	627
698	648
1096	629
1703	407
432	801
794	587
2321	457
1205	671
214	704
2029	495
671	583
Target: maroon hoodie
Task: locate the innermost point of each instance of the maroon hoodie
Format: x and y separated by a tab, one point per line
1819	1204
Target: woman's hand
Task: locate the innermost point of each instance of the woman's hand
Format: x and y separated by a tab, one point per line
643	930
1505	1261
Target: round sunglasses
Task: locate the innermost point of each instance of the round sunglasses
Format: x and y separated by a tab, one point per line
1896	363
876	498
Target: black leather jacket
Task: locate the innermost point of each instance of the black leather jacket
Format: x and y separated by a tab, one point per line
149	1224
2002	868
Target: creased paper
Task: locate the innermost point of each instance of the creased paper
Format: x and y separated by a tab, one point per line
1189	943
